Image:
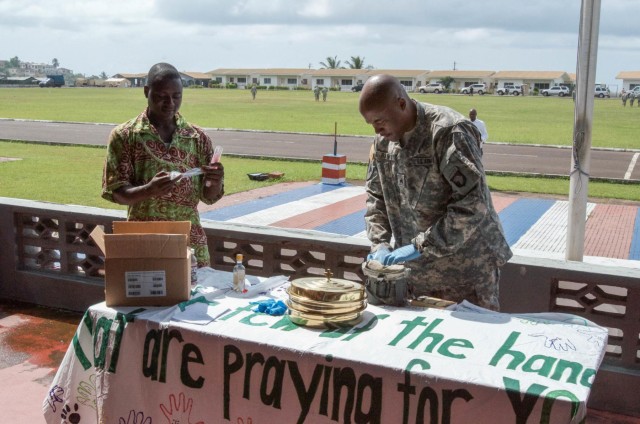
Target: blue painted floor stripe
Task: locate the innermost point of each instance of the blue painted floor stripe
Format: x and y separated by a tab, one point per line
634	251
348	225
246	208
519	216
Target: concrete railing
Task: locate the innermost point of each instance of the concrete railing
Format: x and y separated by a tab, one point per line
48	258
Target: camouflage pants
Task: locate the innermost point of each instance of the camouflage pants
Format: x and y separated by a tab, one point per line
484	294
477	284
479	288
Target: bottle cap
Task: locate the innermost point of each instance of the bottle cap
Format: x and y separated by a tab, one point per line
239	257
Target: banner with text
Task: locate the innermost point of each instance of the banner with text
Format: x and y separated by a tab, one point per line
143	366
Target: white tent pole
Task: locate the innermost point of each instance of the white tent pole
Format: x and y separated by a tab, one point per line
584	98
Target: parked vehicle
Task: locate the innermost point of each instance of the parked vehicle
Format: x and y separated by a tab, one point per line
52	81
602	92
357	87
556	90
514	90
477	88
434	87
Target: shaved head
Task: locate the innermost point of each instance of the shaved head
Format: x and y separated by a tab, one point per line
379	90
386	106
162	71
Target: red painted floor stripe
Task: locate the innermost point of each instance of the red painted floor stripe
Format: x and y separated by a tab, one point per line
324	214
609	231
337	210
500	201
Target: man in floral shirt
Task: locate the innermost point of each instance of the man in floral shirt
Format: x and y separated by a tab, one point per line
143	152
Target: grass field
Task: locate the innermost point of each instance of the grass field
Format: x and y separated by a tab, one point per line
528	120
72	174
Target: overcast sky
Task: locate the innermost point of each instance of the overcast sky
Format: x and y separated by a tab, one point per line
128	36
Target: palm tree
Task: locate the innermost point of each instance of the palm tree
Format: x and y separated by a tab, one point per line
356	62
55	63
332	63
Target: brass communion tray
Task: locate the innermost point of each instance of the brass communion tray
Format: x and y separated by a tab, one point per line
326	290
328	309
322	305
319	321
325	302
431	302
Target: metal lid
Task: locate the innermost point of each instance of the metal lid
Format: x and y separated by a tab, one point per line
326	289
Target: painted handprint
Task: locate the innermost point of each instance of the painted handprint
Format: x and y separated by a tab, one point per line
556	343
87	392
179	411
70	415
55	397
135	418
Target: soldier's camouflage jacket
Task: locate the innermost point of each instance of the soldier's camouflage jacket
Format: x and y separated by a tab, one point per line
432	193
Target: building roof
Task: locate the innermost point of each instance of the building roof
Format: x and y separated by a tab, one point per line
398	72
460	74
530	75
262	71
22	79
142	75
197	75
628	75
339	72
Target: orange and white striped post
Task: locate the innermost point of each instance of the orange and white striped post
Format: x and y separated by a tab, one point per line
334	169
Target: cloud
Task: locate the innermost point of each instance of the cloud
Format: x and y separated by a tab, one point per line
92	36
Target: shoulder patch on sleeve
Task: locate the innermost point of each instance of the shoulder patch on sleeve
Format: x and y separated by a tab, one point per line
458	179
461	178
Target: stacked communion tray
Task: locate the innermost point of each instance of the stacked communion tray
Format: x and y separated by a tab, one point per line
326	302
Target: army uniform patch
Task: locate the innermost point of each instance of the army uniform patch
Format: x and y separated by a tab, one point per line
459	179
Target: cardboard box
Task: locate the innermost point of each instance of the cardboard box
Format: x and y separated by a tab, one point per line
146	263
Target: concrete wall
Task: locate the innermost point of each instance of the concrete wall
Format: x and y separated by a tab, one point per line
47	258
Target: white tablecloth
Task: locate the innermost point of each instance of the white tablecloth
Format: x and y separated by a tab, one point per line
214	360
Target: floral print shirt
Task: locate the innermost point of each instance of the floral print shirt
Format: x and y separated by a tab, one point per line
136	153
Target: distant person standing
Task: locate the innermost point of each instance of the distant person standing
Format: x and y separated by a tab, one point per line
316	92
254	90
471	90
632	99
325	90
480	125
623	97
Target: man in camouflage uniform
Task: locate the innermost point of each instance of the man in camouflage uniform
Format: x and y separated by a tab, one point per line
426	188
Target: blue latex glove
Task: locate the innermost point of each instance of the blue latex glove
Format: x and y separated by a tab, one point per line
270	306
401	254
378	255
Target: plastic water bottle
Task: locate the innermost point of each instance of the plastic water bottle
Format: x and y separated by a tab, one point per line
238	274
194	267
